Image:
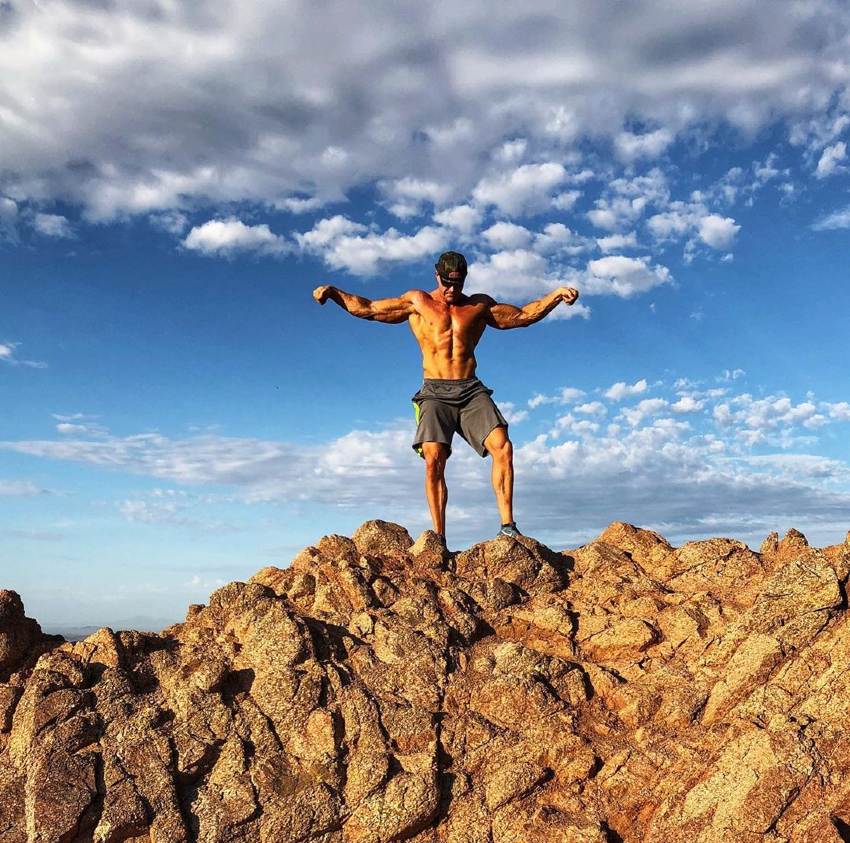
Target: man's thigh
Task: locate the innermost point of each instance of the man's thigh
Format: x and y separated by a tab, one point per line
478	419
436	424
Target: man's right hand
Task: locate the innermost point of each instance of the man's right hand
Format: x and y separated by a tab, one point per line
321	294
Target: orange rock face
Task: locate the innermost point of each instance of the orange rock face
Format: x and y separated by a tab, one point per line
381	689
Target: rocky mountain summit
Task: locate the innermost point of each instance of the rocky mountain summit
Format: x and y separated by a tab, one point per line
381	689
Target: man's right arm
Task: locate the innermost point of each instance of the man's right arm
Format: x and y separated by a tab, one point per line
380	310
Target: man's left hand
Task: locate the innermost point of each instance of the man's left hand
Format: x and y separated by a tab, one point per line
569	295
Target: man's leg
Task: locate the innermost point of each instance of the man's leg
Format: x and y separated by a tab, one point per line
499	447
436	454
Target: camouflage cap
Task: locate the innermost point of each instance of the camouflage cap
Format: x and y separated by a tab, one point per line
451	262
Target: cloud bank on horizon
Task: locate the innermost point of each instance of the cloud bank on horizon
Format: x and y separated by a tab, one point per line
628	149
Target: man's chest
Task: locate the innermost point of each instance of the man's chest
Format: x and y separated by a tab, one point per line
457	320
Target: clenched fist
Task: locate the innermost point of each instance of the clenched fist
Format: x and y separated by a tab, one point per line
569	295
321	294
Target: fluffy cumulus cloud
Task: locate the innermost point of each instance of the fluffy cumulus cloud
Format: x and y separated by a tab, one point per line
629	146
464	219
52	225
623	276
621	389
406	196
718	232
518	275
837	219
231	235
224	102
525	189
830	160
345	244
686	475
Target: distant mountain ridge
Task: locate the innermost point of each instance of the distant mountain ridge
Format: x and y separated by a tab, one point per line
381	689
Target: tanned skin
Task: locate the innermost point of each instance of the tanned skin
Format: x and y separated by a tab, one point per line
448	325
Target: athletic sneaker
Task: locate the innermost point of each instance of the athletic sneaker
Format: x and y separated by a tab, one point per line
509	530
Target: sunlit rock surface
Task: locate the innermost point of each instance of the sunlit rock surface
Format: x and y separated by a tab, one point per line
381	689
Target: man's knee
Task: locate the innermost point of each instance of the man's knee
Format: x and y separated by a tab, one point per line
436	454
499	446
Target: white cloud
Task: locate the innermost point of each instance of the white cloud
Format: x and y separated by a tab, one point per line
173	222
512	273
511	152
567	395
839	411
591	408
630	147
78	424
523	190
19	489
830	161
407	195
520	275
379	107
569	424
621	390
656	471
718	232
837	219
8	219
771	419
299	205
642	410
566	200
671	224
507	235
614	242
7	355
511	413
344	244
228	236
687	404
461	218
52	225
557	238
623	276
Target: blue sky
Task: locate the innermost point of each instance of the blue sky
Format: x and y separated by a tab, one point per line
178	410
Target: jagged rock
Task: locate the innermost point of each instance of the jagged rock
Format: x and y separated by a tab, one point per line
383	689
18	633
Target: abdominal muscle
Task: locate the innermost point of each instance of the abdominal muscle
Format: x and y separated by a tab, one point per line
446	354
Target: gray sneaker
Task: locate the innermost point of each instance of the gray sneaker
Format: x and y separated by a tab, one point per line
509	530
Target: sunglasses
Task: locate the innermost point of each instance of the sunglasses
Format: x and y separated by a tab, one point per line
451	282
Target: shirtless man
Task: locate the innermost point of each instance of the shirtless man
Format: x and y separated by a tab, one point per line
448	325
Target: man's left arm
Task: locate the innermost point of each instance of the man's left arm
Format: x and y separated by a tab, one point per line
504	316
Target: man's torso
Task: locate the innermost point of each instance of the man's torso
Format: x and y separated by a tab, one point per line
448	334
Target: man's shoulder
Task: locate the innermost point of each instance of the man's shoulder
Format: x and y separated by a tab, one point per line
482	298
416	297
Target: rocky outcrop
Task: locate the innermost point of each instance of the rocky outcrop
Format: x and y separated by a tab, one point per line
381	689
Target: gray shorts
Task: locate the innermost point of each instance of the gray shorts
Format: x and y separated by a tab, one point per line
442	407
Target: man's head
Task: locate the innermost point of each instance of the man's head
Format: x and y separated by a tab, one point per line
450	274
